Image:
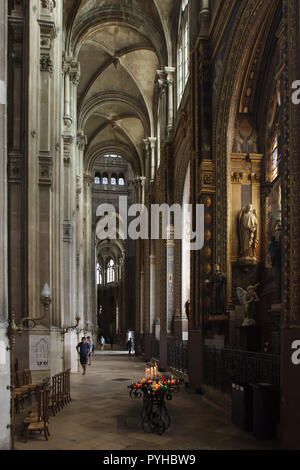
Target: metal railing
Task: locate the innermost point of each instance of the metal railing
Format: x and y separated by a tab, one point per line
222	367
178	356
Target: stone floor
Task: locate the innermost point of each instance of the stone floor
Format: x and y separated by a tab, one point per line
102	416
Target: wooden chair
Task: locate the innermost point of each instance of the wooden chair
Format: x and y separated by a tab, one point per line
68	384
27	380
34	412
39	422
20	393
60	403
53	402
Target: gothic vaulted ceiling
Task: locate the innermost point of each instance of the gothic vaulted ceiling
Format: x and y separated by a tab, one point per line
119	44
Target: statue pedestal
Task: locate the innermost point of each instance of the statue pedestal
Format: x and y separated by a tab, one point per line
249	338
247	261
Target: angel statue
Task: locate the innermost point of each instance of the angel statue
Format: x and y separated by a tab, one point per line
248	232
247	299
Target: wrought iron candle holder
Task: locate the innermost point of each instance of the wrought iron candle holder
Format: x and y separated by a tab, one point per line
155	393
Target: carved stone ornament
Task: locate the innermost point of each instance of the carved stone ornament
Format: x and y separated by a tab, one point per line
74	77
46	64
236	177
68	122
48	5
254	178
208	179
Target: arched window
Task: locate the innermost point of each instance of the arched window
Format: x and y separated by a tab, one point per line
99	274
183	51
113	179
110	271
121	181
97	179
105	178
274	158
112	156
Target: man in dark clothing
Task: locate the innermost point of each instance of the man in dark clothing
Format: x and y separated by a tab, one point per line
83	350
129	346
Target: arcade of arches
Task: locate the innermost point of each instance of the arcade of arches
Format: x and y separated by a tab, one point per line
160	102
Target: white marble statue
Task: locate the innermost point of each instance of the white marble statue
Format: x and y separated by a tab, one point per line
248	230
247	299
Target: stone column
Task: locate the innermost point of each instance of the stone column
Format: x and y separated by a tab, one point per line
71	191
152	291
142	189
162	110
88	248
150	156
4	354
170	80
147	158
152	141
68	235
80	241
204	17
201	193
170	247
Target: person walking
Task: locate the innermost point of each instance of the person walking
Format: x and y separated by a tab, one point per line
90	354
112	342
83	350
129	346
102	341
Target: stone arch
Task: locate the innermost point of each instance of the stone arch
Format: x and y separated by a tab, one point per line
128	152
246	28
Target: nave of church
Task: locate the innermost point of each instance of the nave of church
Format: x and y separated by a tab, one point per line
102	416
149	199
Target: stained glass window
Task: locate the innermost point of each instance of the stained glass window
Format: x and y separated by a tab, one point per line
274	159
97	179
183	51
99	274
110	273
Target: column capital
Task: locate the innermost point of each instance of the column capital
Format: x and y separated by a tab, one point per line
161	79
142	180
74	72
87	178
170	71
152	141
81	141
